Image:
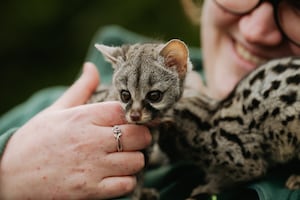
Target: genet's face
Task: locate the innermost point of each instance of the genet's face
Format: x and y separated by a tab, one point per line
235	45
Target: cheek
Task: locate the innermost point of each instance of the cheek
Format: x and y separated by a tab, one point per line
217	30
216	27
213	15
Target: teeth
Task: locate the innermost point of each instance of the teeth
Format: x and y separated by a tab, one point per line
248	56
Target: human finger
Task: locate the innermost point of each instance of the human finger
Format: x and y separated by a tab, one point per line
132	138
106	113
123	163
112	187
82	89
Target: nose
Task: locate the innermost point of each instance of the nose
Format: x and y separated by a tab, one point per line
260	27
135	115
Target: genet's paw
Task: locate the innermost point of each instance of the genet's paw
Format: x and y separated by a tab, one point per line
293	182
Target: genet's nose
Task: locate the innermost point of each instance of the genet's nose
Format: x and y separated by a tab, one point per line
135	115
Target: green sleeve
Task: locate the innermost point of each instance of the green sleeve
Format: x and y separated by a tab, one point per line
4	138
19	115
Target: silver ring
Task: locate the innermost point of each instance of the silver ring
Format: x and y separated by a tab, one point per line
117	134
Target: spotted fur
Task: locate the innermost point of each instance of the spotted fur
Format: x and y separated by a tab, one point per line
242	137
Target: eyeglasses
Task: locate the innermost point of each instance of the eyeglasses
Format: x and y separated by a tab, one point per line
286	14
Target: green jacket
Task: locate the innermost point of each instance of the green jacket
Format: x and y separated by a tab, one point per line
174	182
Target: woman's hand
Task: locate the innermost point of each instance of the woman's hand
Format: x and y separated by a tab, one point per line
68	151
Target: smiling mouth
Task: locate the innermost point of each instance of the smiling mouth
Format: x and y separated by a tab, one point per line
248	56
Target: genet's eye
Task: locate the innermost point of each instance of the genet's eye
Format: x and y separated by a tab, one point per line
125	96
154	96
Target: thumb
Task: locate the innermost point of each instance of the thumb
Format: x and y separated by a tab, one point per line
82	89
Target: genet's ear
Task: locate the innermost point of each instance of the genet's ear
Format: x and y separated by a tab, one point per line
110	53
176	54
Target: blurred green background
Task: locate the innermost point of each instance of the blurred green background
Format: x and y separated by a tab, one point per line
44	42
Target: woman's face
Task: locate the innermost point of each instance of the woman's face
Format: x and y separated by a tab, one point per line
235	45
